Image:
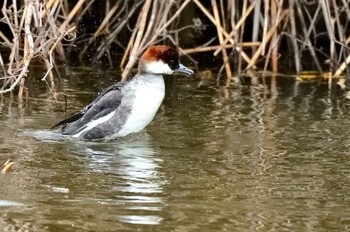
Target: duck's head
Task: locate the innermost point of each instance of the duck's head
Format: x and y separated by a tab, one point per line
161	59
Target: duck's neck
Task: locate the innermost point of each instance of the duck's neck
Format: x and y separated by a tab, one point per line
149	79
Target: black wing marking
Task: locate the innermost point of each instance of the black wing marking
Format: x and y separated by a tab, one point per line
105	103
69	119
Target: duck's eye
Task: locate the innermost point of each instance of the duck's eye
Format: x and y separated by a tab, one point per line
173	64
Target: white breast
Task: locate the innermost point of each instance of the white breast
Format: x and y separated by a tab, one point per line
147	99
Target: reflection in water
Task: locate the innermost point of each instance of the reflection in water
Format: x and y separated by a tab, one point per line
4	203
264	156
140	184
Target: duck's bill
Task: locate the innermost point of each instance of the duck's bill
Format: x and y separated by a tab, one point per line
183	69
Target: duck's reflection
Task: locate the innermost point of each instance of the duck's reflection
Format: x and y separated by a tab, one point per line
134	170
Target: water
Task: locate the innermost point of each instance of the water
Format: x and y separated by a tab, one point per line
271	157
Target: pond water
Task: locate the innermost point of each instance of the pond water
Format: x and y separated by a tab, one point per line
258	157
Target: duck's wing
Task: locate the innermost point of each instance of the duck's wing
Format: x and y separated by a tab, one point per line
104	104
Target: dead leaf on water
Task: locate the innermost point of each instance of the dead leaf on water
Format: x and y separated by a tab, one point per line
7	166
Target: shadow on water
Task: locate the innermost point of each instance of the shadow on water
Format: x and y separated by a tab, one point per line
270	155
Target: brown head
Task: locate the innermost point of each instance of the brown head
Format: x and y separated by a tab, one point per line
161	59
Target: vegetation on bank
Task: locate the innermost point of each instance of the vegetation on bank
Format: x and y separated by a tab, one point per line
247	35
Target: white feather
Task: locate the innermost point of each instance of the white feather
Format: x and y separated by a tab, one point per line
94	123
158	67
145	105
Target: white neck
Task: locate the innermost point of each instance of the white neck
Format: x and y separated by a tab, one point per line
156	67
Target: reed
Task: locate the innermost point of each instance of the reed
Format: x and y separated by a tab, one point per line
248	37
43	36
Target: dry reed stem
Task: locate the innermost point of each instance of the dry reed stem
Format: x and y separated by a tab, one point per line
307	40
150	25
104	22
112	37
274	15
266	24
237	26
6	40
140	29
29	39
221	40
312	26
159	26
294	34
48	6
344	51
216	47
128	48
71	14
347	41
34	45
342	67
332	59
211	18
130	45
2	64
51	59
326	12
163	27
273	48
155	27
238	34
255	30
265	40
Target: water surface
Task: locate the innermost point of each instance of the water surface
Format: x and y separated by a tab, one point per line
270	156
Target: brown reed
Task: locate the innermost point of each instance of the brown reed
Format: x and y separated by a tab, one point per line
43	38
297	23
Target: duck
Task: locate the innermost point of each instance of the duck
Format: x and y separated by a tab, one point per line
126	107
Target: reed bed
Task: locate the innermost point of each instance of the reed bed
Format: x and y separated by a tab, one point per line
249	35
35	32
